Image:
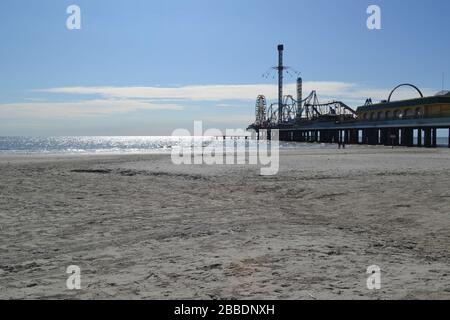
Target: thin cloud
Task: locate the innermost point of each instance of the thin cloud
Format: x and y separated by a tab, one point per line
350	93
80	108
201	92
121	100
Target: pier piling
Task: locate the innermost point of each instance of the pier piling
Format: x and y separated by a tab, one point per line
427	138
419	137
449	137
434	140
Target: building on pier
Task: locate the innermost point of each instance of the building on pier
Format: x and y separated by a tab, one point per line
437	106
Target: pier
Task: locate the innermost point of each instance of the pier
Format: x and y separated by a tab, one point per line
410	123
412	136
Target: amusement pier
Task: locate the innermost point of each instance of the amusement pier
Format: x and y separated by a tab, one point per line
409	123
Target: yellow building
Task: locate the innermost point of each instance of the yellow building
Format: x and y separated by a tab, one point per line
437	106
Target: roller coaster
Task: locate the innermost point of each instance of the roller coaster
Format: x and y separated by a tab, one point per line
290	111
295	111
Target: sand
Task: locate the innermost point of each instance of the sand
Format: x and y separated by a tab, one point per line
142	228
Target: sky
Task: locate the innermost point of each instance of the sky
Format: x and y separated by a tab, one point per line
143	67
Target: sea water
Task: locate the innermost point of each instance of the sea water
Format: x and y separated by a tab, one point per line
128	144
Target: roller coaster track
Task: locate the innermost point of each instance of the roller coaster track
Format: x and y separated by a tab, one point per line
308	109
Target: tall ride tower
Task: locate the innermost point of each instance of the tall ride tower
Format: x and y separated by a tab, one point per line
281	102
280	83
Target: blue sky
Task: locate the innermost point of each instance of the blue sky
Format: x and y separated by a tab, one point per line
148	67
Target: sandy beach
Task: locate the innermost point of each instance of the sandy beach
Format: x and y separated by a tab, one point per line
140	227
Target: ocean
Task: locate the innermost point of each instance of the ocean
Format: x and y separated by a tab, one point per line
125	145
